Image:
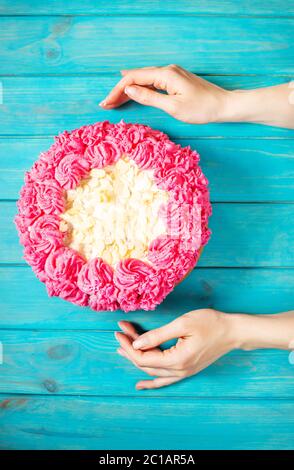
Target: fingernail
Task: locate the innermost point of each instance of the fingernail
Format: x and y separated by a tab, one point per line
124	329
130	90
139	387
115	334
139	343
119	351
103	103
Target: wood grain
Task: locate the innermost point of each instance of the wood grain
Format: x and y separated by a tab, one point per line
86	363
269	244
148	7
261	171
70	44
145	423
24	303
58	60
48	105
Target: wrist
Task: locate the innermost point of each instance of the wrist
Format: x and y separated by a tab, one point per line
242	331
270	105
243	106
231	327
250	332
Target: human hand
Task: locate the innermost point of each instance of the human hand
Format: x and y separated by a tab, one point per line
188	97
203	336
192	99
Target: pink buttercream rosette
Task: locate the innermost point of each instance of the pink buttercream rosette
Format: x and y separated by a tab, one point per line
133	284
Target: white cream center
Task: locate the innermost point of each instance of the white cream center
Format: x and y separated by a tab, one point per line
113	214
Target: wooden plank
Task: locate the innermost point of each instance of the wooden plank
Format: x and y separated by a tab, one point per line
260	170
24	303
51	104
246	234
68	44
148	7
30	422
86	363
48	105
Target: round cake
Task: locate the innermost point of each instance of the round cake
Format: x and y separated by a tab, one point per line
114	216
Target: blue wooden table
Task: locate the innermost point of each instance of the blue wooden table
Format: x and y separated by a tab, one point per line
62	384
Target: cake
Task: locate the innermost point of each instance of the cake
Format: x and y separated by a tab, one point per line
114	216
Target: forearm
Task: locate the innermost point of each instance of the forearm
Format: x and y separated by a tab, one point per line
273	106
262	331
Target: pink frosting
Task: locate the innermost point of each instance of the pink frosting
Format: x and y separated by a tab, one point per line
143	154
139	284
22	224
41	171
105	299
50	197
44	234
133	284
94	276
173	257
96	280
103	153
62	268
27	204
64	263
37	261
70	170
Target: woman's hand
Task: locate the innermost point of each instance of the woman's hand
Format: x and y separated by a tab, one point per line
192	99
188	97
203	337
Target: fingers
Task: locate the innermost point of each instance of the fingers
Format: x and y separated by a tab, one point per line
156	383
153	338
148	370
154	358
163	377
134	85
119	101
144	77
128	329
148	97
123	353
126	71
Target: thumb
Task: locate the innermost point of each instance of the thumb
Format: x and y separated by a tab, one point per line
148	97
155	337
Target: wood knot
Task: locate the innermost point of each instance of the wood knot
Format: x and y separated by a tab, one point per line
60	351
50	385
52	53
